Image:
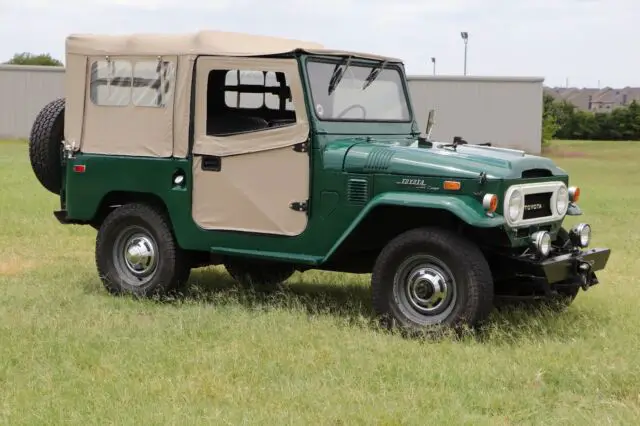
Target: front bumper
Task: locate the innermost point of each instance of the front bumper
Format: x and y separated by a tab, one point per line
579	265
577	268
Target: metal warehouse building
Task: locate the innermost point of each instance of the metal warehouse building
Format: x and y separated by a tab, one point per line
504	111
24	90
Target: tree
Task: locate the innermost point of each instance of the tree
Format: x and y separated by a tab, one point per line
562	120
26	58
550	123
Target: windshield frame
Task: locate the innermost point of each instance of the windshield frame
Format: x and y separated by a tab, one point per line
359	62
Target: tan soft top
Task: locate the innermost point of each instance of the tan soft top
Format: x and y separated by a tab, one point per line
218	43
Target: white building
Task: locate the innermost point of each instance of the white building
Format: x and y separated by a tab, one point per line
506	111
24	90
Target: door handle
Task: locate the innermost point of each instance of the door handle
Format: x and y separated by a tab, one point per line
211	163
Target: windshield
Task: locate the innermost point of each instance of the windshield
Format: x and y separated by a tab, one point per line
356	96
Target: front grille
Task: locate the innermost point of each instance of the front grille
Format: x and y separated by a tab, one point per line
537	205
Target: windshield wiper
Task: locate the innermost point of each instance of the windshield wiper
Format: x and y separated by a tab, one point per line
338	72
375	72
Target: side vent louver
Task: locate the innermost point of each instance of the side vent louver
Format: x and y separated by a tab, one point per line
358	191
379	159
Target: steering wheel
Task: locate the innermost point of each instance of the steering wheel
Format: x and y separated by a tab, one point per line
344	111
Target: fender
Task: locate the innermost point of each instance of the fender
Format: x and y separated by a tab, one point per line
465	207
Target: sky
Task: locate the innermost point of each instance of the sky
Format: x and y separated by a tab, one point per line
588	43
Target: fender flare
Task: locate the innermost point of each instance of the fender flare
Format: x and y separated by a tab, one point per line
465	207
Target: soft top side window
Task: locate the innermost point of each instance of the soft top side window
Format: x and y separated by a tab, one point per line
141	83
240	101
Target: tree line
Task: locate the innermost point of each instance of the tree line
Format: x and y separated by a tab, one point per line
26	58
563	120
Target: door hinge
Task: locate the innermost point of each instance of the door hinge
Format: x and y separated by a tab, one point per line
299	206
301	147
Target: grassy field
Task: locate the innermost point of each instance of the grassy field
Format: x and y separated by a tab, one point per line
70	353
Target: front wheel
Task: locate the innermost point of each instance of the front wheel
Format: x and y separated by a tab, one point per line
428	277
136	252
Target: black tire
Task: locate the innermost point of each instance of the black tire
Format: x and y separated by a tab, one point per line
258	275
169	270
441	255
45	145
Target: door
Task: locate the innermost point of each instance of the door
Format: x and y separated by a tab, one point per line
250	154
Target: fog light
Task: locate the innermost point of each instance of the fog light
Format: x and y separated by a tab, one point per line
542	242
580	235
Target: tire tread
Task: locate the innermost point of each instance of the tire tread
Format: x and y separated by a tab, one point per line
45	138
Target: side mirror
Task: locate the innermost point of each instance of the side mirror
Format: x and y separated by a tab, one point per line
430	122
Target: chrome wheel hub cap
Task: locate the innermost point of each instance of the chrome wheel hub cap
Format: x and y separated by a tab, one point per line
427	289
135	256
424	289
139	255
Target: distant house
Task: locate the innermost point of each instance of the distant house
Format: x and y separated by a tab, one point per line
595	100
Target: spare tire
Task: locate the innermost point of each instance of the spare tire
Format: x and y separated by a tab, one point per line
45	145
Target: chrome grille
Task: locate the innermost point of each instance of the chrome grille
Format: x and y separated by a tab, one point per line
537	205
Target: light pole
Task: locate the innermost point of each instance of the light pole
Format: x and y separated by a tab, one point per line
433	60
465	38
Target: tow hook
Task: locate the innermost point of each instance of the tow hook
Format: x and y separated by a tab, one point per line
584	269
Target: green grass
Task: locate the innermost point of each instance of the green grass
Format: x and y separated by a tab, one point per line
308	355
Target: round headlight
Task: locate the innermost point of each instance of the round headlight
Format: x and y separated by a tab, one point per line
581	235
515	205
562	200
542	242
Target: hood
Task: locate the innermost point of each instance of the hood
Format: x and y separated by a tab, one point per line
466	161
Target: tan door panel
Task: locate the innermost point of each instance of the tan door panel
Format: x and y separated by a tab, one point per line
253	192
257	175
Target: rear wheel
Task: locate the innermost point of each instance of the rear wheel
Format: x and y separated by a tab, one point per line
136	252
429	276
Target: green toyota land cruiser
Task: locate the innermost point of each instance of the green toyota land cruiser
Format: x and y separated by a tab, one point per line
271	156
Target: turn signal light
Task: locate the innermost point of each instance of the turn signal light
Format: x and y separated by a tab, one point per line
574	194
490	202
451	185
